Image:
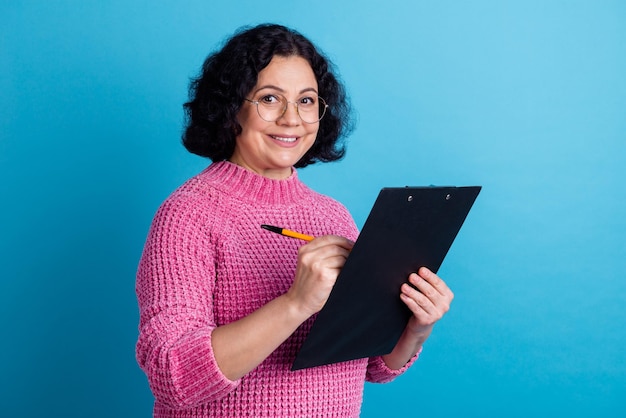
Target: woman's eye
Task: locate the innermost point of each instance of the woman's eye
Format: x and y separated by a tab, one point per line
307	101
270	99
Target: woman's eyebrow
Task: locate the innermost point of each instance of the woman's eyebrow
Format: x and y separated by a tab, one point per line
280	90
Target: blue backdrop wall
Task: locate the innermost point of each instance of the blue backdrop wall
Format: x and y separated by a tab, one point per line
526	98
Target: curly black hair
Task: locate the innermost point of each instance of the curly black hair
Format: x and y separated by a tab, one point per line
228	76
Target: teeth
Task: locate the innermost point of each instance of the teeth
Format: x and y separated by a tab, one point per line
281	139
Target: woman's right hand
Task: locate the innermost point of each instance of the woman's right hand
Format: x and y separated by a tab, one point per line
242	345
318	266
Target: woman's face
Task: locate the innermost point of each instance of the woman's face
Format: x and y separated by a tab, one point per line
272	148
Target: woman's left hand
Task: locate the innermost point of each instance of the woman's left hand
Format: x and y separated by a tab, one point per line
429	303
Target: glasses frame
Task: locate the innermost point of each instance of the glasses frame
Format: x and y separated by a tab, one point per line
324	108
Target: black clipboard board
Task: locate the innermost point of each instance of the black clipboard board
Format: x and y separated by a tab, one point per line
407	228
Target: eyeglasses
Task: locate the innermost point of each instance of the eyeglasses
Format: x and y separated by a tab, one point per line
272	107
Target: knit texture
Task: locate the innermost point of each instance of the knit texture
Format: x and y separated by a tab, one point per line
206	263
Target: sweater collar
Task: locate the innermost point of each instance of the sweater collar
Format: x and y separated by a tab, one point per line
247	185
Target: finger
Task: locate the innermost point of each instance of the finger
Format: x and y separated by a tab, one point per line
424	311
416	301
325	247
325	261
424	287
333	262
430	299
411	304
435	281
336	240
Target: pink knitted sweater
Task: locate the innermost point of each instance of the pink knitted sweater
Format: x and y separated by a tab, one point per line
207	262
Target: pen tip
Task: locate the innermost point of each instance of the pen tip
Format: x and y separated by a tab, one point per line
271	228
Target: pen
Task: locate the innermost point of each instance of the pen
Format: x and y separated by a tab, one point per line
287	232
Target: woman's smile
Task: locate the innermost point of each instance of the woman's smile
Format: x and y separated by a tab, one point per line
289	140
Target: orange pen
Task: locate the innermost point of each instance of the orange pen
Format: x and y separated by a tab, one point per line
287	232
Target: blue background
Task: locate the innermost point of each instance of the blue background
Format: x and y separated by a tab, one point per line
526	98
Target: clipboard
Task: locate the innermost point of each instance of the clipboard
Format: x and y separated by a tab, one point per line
407	228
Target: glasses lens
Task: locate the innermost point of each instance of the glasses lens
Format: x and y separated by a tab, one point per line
273	106
312	109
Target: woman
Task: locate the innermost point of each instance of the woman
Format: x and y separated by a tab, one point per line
224	304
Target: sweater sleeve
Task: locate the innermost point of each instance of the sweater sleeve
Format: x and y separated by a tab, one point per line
378	372
175	281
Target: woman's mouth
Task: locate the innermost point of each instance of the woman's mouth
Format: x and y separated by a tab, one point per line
288	139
